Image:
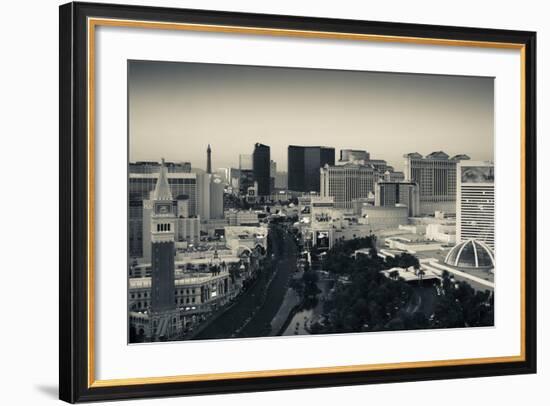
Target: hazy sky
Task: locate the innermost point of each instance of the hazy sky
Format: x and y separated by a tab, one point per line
177	109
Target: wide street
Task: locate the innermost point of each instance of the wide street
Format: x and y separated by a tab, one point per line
251	314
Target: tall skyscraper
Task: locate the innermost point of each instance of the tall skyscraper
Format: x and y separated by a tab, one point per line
246	180
281	180
475	204
347	183
304	163
272	174
435	175
261	158
209	159
245	162
392	193
163	229
210	196
216	198
203	189
224	174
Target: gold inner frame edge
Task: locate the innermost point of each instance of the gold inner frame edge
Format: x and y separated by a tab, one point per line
92	23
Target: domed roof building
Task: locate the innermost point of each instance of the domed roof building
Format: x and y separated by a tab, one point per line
471	254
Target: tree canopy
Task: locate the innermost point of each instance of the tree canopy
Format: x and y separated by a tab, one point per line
366	300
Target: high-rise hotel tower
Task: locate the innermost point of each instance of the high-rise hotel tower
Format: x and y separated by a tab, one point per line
435	175
347	183
304	163
261	158
475	203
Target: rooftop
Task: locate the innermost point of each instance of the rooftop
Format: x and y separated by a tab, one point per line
162	188
471	254
145	282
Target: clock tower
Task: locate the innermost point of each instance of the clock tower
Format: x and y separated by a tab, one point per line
163	222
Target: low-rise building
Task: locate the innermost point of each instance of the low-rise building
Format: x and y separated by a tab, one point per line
445	233
245	237
391	193
411	243
242	218
191	290
358	204
188	229
214	227
195	297
378	217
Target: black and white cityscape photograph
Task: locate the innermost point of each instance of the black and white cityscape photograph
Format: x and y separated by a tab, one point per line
274	201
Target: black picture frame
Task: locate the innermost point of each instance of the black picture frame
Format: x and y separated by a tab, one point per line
74	385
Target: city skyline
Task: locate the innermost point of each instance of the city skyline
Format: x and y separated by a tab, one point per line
286	106
385	220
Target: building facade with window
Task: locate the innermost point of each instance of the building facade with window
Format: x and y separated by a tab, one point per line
347	183
350	155
388	194
141	182
435	174
261	166
304	163
245	162
475	205
154	167
159	304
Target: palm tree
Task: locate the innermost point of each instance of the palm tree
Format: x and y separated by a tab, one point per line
420	275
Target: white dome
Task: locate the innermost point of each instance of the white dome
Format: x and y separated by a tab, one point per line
471	254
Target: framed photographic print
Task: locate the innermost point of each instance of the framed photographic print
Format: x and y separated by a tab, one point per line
256	202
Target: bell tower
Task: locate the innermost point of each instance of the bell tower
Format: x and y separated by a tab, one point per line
163	223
